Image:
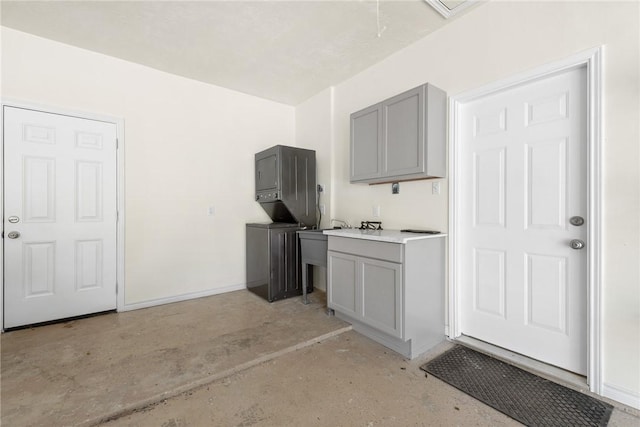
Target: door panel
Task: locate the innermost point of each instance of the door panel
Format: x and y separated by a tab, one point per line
489	196
489	282
60	181
88	193
524	162
546	186
546	284
89	264
39	198
39	269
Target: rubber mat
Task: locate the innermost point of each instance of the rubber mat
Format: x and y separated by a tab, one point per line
521	395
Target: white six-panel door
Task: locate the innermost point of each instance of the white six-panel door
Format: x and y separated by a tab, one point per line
60	197
523	176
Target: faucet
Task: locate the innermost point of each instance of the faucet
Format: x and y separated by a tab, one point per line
344	224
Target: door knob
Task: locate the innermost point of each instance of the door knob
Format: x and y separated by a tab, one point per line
576	244
13	235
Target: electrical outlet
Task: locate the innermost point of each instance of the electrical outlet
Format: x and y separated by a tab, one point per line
211	210
375	211
435	187
322	209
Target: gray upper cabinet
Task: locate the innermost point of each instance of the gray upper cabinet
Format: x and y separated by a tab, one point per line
401	138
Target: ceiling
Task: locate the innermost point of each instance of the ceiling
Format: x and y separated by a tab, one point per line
285	51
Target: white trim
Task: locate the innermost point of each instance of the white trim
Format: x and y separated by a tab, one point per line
595	201
592	59
183	297
32	105
2	216
454	218
622	395
120	232
120	177
448	13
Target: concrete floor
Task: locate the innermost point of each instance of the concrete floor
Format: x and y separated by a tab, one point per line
231	359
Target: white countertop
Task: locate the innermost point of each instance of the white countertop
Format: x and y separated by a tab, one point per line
392	236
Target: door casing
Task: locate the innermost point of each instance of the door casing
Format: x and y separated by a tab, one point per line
120	205
592	59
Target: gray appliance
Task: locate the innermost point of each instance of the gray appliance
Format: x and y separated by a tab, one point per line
273	260
285	188
286	184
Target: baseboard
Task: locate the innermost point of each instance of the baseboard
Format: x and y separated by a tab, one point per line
619	394
183	297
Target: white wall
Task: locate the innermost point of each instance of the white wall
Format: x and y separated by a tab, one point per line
494	41
188	145
314	130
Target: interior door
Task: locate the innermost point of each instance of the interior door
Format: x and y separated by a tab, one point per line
60	216
523	210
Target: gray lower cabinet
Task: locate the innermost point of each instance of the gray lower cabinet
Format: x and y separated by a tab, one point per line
390	292
401	138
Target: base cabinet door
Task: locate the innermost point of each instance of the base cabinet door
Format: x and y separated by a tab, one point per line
382	295
342	294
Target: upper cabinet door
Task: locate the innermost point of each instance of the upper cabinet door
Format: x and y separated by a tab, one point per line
366	149
403	138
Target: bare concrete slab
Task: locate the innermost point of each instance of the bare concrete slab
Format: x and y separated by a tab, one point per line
347	380
231	359
81	371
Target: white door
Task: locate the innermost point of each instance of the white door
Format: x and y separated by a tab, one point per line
60	197
523	177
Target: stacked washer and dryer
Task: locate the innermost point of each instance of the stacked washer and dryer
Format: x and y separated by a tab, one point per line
285	180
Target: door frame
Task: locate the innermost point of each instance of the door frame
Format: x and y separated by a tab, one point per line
120	188
592	59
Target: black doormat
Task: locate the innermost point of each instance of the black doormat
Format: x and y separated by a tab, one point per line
523	396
